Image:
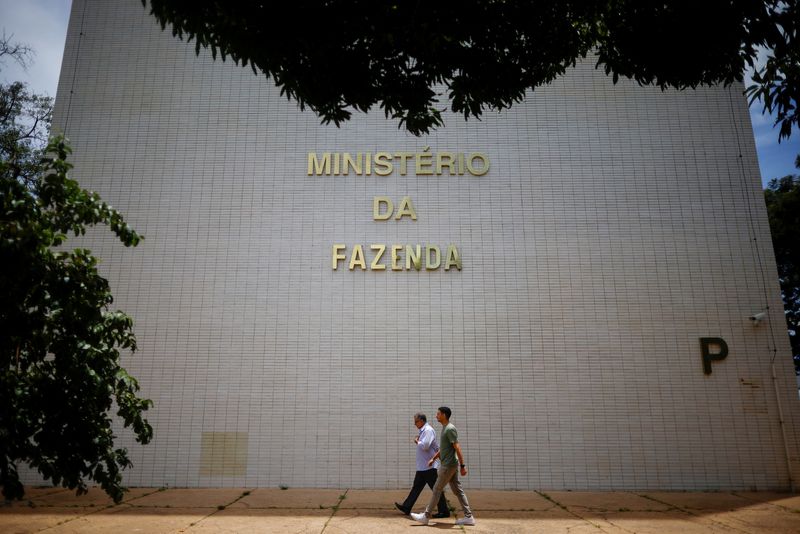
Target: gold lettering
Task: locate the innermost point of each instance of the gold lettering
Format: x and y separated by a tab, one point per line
376	265
424	162
429	264
383	163
358	258
396	257
376	208
403	156
317	167
406	208
440	163
453	259
349	162
413	257
477	172
336	256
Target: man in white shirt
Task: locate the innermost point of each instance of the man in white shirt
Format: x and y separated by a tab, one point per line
426	474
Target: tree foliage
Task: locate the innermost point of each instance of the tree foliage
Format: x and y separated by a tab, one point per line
783	207
416	59
60	373
26	124
25	118
777	83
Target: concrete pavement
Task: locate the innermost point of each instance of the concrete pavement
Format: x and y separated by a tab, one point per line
346	511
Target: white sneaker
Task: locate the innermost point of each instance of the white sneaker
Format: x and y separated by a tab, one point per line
466	521
422	518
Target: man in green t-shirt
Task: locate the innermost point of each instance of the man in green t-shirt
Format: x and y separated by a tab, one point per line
452	458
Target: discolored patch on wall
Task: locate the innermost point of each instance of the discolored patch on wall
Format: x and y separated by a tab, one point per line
223	453
753	398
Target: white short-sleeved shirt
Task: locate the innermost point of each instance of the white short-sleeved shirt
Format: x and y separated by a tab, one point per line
427	448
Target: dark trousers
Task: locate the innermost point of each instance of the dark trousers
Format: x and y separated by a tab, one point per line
420	480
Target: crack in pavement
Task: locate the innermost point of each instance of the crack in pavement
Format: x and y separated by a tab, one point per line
724	526
99	509
552	500
220	508
335	509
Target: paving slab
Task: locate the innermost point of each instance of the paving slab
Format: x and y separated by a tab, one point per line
554	521
507	522
649	513
643	522
758	518
605	501
786	500
700	502
150	510
486	500
60	497
232	521
380	499
741	511
21	520
189	498
34	495
126	519
289	498
361	521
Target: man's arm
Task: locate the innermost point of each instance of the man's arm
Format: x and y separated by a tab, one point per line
426	440
462	463
435	456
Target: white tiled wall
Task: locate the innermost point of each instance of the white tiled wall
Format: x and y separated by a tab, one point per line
616	227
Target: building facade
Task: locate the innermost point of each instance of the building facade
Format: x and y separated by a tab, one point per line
588	240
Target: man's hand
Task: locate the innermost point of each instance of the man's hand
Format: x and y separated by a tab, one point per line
463	471
430	462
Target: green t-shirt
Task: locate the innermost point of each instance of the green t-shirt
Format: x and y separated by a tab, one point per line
447	453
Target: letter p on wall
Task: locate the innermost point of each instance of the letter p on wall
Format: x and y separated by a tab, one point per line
706	343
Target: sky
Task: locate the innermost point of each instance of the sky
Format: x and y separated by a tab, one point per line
42	24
